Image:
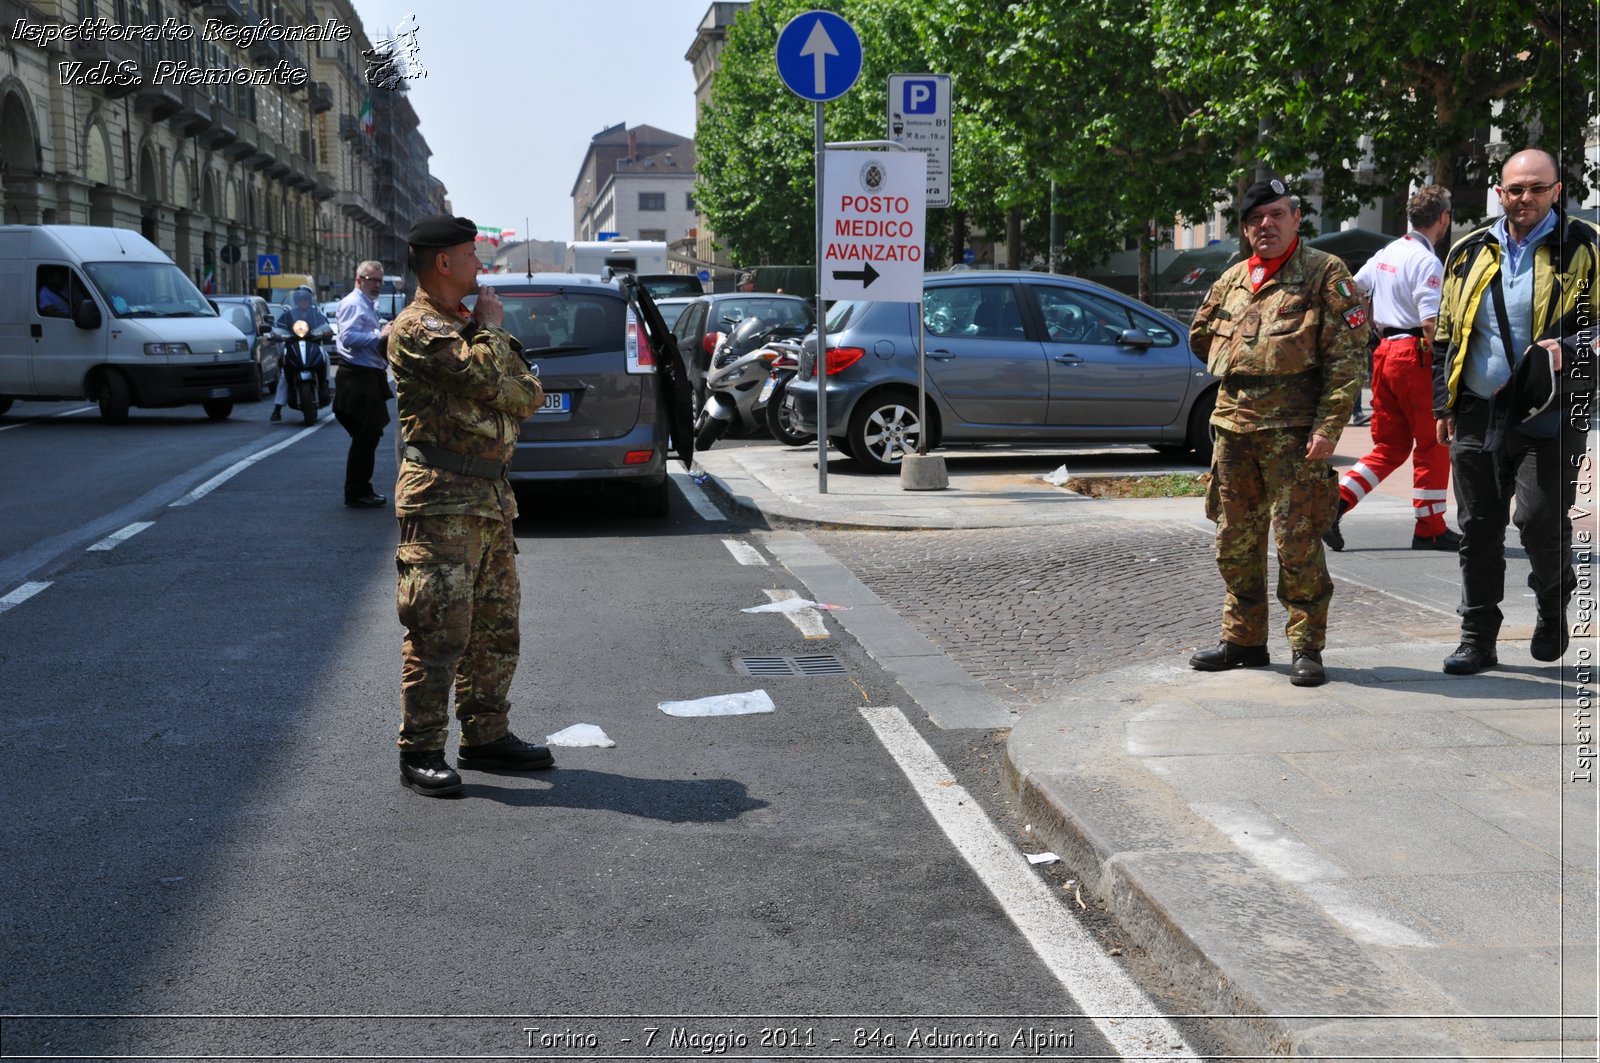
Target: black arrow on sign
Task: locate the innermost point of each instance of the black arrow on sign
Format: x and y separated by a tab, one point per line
866	275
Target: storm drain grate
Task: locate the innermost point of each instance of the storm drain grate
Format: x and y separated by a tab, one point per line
812	665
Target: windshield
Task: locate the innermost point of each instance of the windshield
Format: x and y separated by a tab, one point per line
774	311
148	289
843	312
564	322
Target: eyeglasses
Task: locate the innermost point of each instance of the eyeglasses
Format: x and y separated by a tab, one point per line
369	278
1518	191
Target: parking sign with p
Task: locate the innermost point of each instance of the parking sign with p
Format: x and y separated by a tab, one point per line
919	119
921	97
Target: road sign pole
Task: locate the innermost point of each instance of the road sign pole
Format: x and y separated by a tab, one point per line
822	328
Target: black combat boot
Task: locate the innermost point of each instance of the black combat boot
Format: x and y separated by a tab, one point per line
1470	659
1447	540
425	771
1227	655
1550	636
508	754
1307	670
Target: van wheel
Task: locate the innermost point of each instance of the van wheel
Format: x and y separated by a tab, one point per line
217	409
113	396
5	404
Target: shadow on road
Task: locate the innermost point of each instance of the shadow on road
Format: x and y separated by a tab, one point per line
668	800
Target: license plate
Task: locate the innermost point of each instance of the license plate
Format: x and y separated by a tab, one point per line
219	393
766	389
556	402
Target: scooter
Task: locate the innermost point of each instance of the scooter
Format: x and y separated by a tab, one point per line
769	402
738	368
305	365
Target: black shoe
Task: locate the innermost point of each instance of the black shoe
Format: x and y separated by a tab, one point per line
1307	670
425	771
367	501
509	753
1550	635
1333	536
1227	655
1361	418
1446	540
1470	659
277	414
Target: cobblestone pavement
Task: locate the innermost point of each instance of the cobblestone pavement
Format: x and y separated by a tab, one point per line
1026	611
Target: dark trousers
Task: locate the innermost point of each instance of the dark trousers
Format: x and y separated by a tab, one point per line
361	404
1540	476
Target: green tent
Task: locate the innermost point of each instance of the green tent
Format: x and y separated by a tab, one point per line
1196	270
1355	246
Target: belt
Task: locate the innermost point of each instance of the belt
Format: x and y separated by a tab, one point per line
449	461
1396	333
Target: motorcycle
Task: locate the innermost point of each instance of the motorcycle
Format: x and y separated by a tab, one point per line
738	368
305	368
769	403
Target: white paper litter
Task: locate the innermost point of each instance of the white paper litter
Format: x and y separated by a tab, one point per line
581	734
1058	478
791	605
1043	858
720	705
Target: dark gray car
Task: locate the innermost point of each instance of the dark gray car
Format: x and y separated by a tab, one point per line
603	418
253	316
1012	358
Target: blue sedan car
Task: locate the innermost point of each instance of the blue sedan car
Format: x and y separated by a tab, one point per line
1012	357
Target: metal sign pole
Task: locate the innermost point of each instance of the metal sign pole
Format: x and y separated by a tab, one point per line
922	385
822	331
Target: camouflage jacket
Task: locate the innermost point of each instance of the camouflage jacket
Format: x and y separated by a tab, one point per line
463	387
1292	354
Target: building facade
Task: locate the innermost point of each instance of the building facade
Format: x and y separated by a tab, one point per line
637	183
218	144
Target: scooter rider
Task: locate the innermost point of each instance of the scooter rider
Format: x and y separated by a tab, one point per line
302	307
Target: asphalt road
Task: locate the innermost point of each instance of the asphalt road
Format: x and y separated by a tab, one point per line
202	816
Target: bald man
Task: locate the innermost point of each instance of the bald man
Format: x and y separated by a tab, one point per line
1516	331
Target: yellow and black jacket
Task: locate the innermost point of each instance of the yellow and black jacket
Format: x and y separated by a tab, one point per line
1566	267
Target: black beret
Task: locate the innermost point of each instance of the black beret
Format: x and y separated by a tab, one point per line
1260	194
441	230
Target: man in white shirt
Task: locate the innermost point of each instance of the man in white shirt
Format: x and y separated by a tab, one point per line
1402	284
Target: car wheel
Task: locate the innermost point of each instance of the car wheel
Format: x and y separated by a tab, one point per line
1202	437
883	430
841	444
780	420
113	397
5	404
218	409
653	500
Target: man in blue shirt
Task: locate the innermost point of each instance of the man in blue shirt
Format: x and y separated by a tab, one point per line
1517	297
361	393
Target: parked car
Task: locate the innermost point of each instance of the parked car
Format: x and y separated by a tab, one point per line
672	307
697	326
670	285
1012	358
604	418
253	316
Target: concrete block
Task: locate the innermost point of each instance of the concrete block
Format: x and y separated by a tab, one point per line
923	472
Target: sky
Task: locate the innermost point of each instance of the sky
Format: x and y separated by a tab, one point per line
515	89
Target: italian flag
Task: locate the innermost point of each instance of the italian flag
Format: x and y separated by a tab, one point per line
209	285
368	126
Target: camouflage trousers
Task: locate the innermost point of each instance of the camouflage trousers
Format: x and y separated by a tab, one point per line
458	599
1261	478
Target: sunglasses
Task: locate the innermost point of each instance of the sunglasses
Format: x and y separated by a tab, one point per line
1518	191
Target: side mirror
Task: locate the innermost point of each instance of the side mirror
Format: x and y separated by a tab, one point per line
87	315
1135	337
263	330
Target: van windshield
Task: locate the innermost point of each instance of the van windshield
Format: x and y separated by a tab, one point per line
147	289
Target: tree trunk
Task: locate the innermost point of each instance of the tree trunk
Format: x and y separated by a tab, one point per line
1147	286
1014	238
958	237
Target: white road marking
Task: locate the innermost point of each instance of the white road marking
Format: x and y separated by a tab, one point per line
744	553
116	539
1098	985
809	621
35	420
240	466
697	498
22	594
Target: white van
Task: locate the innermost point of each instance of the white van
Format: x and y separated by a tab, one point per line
103	314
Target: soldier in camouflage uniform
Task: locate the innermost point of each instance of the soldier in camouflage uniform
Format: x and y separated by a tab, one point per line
1284	333
463	391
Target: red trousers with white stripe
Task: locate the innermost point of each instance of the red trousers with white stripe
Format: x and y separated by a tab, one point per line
1402	427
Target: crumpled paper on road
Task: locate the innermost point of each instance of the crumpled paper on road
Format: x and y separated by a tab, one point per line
580	735
1058	478
720	705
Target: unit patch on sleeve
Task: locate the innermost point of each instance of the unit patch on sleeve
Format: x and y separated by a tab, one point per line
1355	317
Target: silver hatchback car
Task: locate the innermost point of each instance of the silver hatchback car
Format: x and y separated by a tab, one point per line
1012	357
604	417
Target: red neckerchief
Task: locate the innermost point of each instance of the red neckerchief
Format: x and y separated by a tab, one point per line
1261	271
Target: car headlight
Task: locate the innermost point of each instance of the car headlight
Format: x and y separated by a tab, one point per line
169	349
241	345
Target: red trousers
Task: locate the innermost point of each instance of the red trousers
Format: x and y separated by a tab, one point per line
1402	427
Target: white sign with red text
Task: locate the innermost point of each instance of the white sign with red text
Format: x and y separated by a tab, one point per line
874	221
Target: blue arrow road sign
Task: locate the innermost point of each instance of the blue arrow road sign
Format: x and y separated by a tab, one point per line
267	266
819	56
